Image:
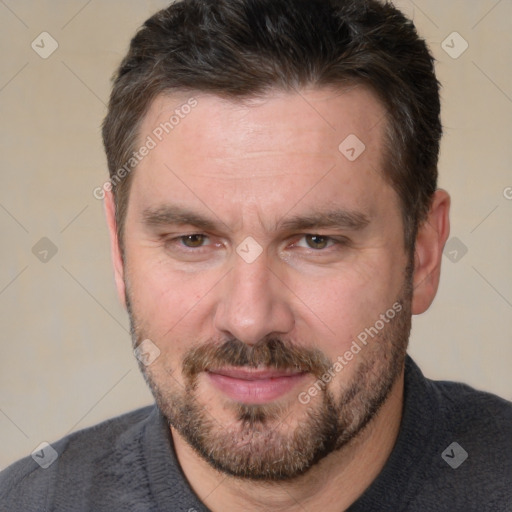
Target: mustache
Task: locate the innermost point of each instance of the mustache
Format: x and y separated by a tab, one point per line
271	353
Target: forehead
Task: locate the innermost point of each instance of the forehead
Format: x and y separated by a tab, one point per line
318	118
266	153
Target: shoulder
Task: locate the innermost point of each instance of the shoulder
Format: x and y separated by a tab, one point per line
457	408
465	407
474	449
27	484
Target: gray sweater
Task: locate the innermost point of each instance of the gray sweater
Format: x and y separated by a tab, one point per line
453	453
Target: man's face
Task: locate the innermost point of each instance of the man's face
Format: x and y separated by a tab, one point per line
267	265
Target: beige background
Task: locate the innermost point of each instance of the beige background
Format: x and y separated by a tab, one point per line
65	359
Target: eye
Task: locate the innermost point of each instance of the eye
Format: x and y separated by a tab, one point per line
317	242
193	241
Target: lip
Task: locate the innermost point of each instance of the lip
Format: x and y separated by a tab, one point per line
254	385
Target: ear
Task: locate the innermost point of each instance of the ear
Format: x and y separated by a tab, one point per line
430	240
115	251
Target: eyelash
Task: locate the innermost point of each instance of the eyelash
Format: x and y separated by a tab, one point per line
179	242
331	241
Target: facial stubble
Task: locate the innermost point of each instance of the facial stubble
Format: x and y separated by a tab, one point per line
274	442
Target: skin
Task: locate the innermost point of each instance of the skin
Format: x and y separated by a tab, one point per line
248	168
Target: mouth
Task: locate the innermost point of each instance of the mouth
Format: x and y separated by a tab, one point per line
254	385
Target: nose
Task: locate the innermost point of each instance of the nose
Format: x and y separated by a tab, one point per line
254	303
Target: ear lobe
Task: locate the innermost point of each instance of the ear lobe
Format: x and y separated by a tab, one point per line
430	241
115	250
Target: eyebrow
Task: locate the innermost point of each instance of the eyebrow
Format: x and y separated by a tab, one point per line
180	216
340	219
177	216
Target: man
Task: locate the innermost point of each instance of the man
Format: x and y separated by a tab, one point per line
275	222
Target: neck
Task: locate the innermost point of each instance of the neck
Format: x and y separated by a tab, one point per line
331	485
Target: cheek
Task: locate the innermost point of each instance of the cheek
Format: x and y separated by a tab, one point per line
166	302
336	308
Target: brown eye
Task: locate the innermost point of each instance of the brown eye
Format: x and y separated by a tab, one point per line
317	241
193	241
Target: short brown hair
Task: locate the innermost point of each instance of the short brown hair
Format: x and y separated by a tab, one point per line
244	48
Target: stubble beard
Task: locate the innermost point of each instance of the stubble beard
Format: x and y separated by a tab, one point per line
270	442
